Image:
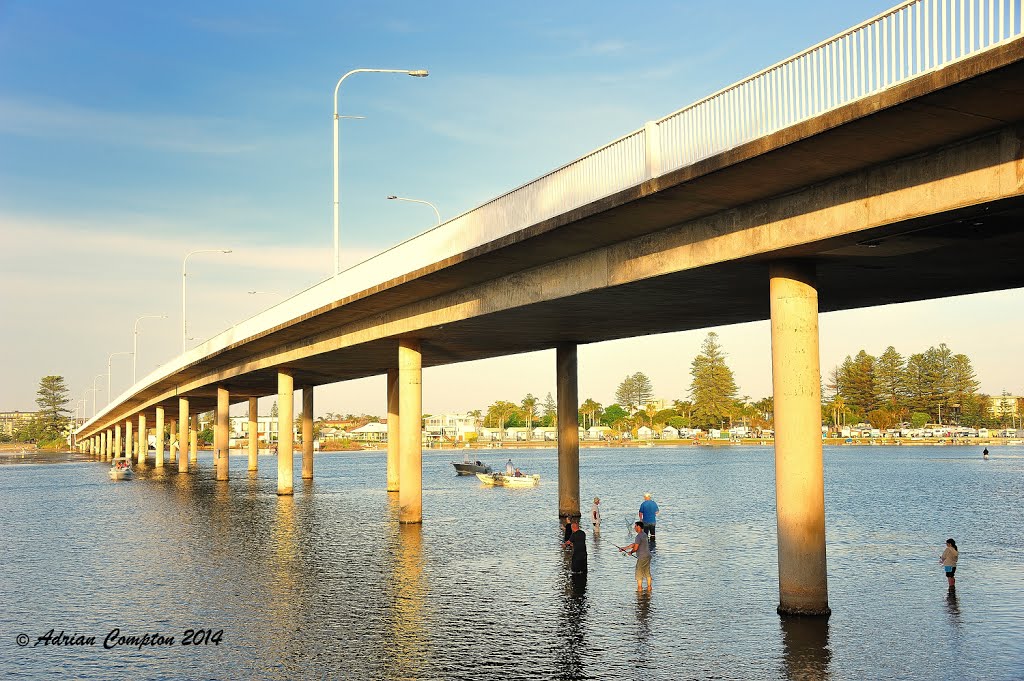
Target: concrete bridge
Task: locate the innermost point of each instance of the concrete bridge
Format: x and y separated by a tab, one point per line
884	165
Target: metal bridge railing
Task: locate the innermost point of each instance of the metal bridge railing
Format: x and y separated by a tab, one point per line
902	43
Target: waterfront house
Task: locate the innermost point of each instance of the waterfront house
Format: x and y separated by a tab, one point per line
371	432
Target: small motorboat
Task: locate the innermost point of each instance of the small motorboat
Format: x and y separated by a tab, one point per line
121	468
467	467
503	480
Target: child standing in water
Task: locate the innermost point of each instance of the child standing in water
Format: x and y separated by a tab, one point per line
948	560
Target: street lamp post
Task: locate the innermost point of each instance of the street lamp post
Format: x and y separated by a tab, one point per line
109	358
135	340
95	389
420	73
402	198
184	275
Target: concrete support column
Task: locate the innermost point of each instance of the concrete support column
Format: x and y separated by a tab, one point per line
143	440
799	470
568	431
117	440
410	456
110	444
173	443
193	440
393	430
254	433
159	428
103	445
221	434
285	417
183	434
307	433
128	438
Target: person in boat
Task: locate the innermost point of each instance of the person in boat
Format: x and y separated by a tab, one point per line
508	467
578	541
517	474
478	462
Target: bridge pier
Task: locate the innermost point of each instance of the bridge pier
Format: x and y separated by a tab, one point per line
117	440
172	440
799	467
285	418
254	433
128	438
410	405
393	431
568	431
221	433
193	441
143	440
159	446
183	435
307	432
110	444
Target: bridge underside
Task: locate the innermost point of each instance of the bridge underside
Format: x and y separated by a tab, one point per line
915	194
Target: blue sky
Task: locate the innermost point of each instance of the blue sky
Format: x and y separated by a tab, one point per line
133	132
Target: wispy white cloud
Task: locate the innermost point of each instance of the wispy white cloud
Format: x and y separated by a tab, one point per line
147	238
235	26
57	119
602	48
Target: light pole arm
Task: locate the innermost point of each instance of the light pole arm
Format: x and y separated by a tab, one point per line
436	211
184	275
337	216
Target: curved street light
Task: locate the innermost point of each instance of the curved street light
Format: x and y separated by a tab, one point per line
184	274
109	358
419	73
402	198
135	341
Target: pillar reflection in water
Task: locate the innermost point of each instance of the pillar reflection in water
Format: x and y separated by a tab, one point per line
285	565
805	651
572	625
409	656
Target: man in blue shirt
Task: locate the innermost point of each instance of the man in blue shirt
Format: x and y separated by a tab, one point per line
649	515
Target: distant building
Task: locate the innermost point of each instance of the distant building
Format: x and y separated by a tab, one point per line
266	426
1005	406
371	432
450	427
11	421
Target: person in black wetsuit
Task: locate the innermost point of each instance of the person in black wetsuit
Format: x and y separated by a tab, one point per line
578	540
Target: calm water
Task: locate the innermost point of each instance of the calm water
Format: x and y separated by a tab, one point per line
327	585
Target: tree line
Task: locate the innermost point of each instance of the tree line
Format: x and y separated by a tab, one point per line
934	386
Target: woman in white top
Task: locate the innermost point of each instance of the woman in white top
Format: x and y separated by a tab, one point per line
948	560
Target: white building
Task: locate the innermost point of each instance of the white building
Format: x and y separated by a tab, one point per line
371	432
451	427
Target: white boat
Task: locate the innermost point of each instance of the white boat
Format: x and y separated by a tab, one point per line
121	468
503	480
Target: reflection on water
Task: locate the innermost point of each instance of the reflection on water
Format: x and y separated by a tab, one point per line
805	652
408	603
953	607
327	584
572	626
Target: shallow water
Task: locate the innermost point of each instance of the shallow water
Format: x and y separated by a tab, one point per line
327	584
